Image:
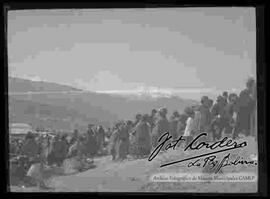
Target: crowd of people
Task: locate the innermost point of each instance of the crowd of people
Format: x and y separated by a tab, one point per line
231	115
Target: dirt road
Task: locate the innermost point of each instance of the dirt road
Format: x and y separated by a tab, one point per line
134	175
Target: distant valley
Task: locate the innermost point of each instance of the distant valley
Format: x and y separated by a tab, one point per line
62	107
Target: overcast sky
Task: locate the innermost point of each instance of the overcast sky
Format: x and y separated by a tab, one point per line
123	49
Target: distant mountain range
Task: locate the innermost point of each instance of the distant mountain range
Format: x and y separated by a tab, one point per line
63	107
23	85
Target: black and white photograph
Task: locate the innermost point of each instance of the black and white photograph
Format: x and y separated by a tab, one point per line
160	99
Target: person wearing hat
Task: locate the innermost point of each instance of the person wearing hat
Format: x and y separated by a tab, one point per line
227	120
152	119
32	150
218	111
161	127
218	108
173	124
143	137
121	142
100	137
63	149
137	119
112	147
225	95
205	115
246	104
91	143
57	150
30	147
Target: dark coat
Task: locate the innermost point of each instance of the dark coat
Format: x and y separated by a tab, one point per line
143	138
245	107
30	148
161	127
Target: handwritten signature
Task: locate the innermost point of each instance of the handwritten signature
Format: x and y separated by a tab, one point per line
227	144
216	165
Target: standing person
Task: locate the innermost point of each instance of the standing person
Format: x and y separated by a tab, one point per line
81	147
218	111
50	156
225	95
205	119
161	126
13	147
91	144
218	108
196	120
64	148
122	142
173	124
113	141
58	150
82	151
245	107
73	144
45	146
143	137
189	130
100	138
32	150
129	125
227	121
133	141
30	147
137	119
152	118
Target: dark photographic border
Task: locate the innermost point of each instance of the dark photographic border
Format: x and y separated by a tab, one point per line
261	87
